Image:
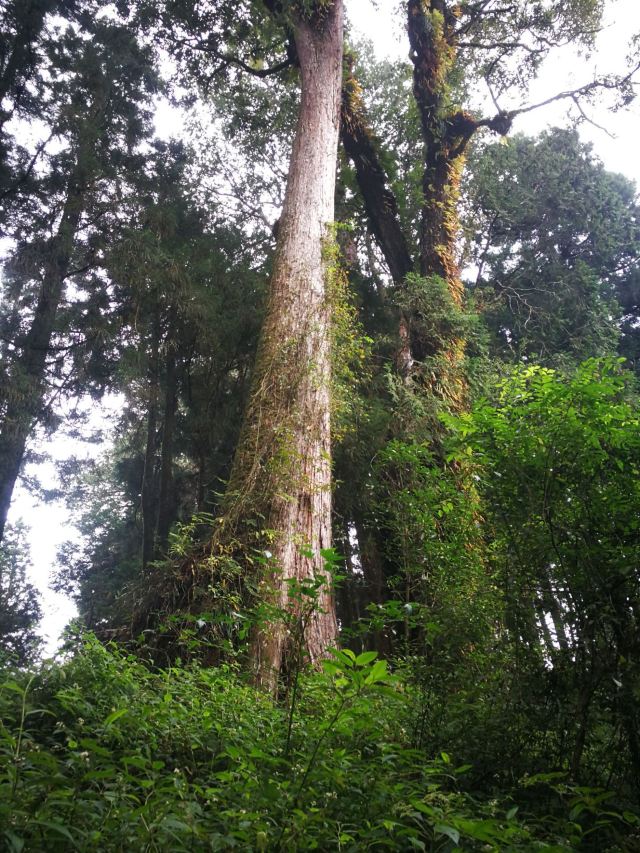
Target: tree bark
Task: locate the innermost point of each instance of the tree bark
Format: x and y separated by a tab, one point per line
27	375
445	132
380	204
281	474
148	491
379	201
165	497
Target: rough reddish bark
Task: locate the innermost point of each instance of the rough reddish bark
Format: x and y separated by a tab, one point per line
281	475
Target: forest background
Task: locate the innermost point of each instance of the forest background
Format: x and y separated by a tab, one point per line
612	137
366	524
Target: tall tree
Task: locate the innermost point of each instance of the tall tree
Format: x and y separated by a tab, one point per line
177	278
20	609
100	89
281	474
555	240
22	24
454	47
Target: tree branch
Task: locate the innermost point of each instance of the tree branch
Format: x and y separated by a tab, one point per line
230	59
379	201
24	177
502	121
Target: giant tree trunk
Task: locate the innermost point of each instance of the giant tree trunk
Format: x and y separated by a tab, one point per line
27	374
281	475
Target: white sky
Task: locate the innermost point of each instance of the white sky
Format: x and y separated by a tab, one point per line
379	22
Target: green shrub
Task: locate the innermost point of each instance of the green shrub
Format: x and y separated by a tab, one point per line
100	753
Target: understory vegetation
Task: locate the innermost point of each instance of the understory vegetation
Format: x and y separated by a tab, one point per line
486	729
101	753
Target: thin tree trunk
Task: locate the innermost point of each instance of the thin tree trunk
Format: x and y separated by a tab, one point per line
165	497
282	469
27	376
552	606
372	560
148	490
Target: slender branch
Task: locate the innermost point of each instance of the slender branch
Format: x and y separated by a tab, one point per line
591	121
24	177
610	84
510	45
502	121
493	96
231	59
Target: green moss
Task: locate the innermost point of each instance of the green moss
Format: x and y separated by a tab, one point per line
350	347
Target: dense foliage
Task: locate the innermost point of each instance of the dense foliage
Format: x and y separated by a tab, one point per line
101	753
477	303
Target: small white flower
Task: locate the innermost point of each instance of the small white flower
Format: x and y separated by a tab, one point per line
268	555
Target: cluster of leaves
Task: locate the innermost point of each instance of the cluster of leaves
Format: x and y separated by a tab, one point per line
554	238
558	470
100	752
512	571
351	348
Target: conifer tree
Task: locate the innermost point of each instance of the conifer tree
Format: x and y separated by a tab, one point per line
99	83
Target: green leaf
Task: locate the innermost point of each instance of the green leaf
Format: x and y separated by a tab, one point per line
330	667
13	686
16	843
135	761
377	673
366	658
56	827
115	716
577	810
449	831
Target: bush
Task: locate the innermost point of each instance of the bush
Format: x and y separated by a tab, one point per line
100	753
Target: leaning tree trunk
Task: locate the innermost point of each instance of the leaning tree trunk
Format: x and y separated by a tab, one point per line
380	203
281	475
27	375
